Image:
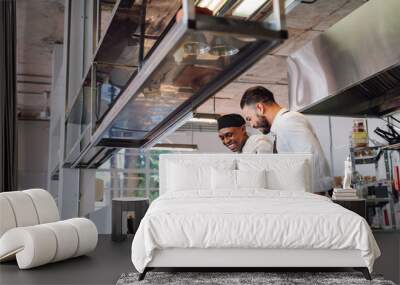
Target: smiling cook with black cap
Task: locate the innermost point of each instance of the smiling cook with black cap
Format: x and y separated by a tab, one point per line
232	132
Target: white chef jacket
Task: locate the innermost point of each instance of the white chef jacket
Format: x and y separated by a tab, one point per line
258	144
294	134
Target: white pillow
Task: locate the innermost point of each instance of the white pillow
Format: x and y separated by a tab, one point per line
223	179
294	179
229	180
251	178
183	177
196	175
282	174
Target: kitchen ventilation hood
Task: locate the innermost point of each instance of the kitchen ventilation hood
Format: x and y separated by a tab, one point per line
353	68
190	62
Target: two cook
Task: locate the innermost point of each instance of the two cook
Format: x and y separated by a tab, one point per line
289	132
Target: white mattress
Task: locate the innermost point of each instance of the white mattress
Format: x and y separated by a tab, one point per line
258	219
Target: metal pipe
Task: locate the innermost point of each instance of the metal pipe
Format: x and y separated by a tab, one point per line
188	9
227	7
34	75
142	32
279	14
30	92
33	82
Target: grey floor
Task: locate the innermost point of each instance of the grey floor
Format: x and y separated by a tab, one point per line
111	259
102	266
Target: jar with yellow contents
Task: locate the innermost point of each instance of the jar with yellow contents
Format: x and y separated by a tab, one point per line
359	135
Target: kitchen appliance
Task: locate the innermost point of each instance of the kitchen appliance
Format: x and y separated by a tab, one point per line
353	68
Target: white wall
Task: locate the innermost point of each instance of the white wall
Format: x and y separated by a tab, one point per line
321	128
33	149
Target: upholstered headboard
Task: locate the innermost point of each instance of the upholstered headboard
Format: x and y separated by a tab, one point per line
283	166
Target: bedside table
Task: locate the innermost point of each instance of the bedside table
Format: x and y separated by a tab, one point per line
127	212
358	206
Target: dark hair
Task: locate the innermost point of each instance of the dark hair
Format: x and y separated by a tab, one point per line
257	94
230	120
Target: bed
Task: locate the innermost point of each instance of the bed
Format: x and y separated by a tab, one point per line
247	211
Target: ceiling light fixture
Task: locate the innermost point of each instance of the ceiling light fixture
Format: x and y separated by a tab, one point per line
199	120
175	147
204	118
248	7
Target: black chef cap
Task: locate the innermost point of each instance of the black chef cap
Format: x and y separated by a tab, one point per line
230	120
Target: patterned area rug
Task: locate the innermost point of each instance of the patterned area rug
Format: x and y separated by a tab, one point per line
242	278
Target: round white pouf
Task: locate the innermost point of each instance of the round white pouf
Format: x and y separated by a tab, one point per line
33	246
7	218
87	235
40	244
45	205
67	240
23	208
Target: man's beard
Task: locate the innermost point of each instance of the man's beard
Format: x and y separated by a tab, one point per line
262	125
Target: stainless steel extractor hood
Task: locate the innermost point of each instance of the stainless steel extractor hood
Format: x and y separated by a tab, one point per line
195	58
353	68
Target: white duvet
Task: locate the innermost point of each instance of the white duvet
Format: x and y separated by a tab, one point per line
250	219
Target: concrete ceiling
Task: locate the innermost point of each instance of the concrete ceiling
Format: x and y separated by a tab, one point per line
40	24
304	22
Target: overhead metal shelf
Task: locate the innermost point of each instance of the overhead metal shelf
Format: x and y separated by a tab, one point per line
196	58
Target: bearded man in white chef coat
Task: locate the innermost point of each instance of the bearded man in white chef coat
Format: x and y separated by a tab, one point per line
233	134
292	131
